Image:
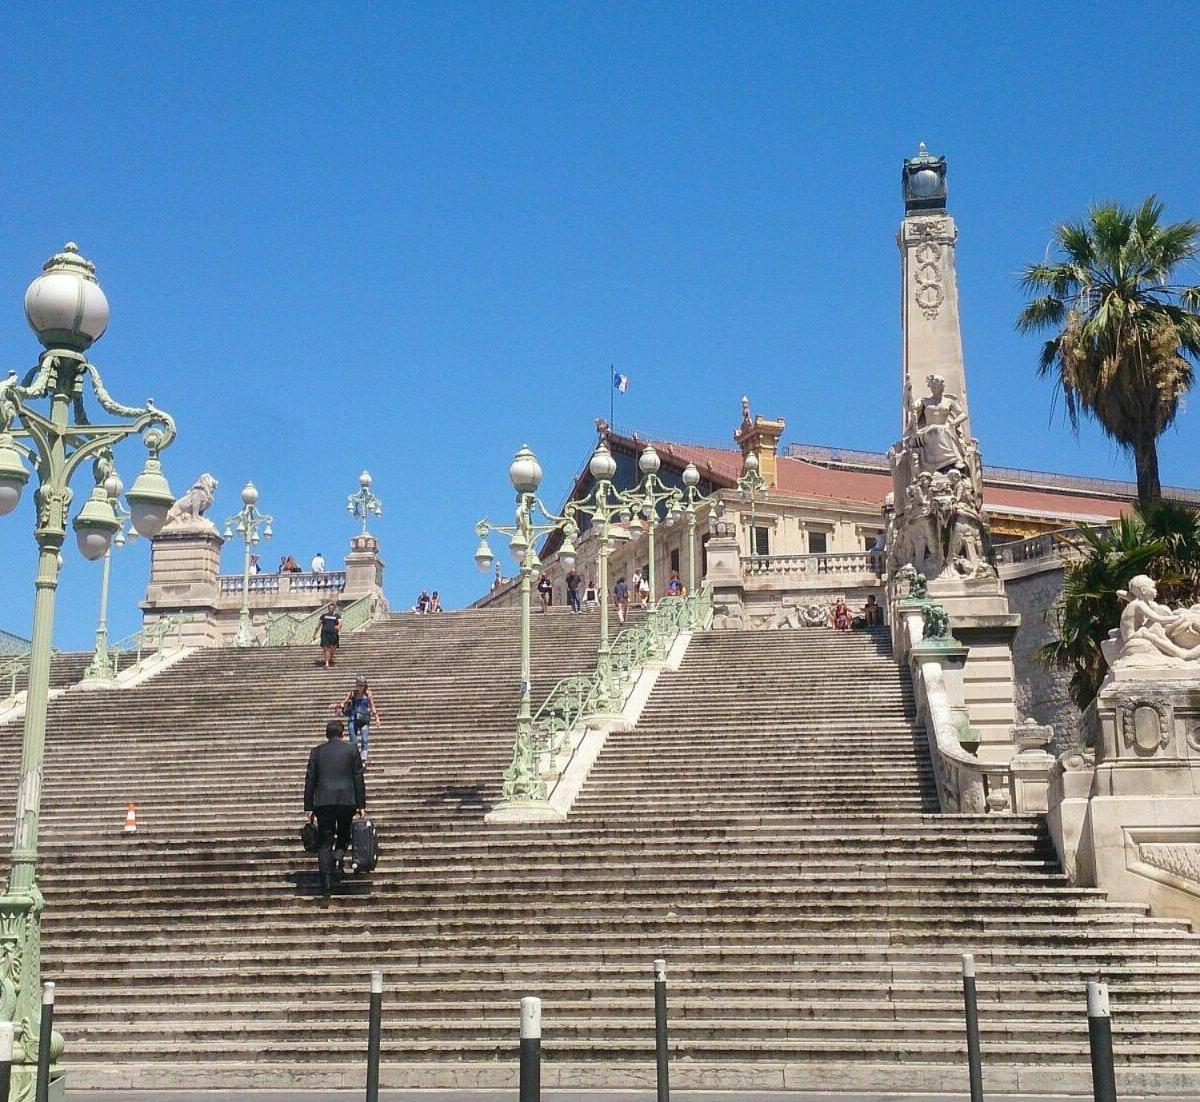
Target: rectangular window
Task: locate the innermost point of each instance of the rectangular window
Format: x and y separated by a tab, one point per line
818	543
760	540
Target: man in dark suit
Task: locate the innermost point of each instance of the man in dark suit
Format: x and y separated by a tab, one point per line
333	792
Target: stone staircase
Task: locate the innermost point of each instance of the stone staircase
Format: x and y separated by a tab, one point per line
769	827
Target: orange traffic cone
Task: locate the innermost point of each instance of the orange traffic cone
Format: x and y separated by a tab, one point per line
131	820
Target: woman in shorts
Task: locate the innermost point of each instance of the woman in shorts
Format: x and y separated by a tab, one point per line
331	622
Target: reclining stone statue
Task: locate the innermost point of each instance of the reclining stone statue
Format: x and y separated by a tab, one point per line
1151	635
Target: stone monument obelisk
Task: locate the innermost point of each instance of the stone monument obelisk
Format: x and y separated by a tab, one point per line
939	525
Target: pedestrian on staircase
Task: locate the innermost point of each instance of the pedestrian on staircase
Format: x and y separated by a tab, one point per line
334	790
621	599
358	706
574	581
589	594
545	592
331	623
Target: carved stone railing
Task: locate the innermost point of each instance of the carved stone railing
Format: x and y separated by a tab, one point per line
1048	545
834	562
329	581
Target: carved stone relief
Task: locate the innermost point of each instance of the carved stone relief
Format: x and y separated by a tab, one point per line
1146	725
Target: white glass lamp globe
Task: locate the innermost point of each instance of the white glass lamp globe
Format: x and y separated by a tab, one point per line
517	546
150	499
95	525
525	473
602	464
751	463
65	306
364	479
113	486
648	461
249	494
924	183
483	557
13	475
691	475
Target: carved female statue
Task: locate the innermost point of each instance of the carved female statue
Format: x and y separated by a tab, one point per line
935	428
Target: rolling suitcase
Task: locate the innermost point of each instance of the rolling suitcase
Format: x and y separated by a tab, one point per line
364	846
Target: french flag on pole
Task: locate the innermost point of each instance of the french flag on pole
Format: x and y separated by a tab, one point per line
621	382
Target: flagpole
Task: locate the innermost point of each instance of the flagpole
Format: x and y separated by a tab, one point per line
612	393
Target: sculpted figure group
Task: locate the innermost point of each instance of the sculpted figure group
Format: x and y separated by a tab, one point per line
938	525
1151	635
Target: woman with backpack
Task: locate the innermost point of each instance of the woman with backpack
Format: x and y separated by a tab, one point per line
358	706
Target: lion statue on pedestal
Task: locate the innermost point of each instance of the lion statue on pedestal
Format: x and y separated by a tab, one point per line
189	510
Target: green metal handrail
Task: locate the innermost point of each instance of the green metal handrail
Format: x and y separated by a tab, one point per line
290	629
579	697
151	638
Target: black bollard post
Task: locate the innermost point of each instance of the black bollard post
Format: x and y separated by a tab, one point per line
971	1005
6	1049
374	1029
1104	1083
660	1030
531	1049
42	1093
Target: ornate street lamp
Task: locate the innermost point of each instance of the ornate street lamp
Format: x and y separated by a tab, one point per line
752	487
643	501
246	522
363	503
692	500
603	505
101	668
68	311
523	783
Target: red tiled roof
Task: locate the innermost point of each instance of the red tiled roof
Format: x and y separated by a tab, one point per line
802	479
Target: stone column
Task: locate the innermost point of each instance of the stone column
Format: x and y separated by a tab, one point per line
185	567
725	572
364	569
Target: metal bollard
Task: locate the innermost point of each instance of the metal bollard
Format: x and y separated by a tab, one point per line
531	1050
1104	1083
971	1006
42	1093
6	1049
374	1029
660	1030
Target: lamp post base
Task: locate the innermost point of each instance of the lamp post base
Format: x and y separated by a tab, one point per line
244	637
525	811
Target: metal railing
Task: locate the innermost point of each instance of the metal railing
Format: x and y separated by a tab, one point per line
11	670
332	581
164	634
295	629
575	699
839	562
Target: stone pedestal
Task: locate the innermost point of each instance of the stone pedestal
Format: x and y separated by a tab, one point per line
364	569
1139	837
727	581
185	567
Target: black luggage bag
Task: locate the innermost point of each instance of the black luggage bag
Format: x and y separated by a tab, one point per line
364	845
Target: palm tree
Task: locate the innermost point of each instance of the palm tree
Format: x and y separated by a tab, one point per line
1125	327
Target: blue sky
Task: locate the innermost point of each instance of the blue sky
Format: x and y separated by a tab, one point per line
412	237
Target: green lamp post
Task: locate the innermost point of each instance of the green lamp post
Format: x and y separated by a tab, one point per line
523	783
603	505
101	668
691	501
752	487
68	311
363	504
247	521
643	500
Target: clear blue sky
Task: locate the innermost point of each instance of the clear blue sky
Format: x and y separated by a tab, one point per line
411	237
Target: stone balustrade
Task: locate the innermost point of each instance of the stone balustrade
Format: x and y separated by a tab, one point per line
834	562
330	581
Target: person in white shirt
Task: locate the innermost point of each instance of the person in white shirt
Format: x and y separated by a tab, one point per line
318	563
